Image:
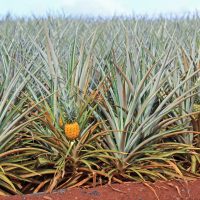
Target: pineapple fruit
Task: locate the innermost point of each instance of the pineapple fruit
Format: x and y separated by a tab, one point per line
72	130
68	121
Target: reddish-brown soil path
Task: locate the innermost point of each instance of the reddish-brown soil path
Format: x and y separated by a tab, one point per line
170	190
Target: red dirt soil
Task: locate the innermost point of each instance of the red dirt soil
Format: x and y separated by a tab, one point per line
166	190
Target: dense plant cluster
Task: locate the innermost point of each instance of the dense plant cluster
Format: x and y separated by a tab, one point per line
130	85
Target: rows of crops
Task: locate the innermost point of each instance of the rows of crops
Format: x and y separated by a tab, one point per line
86	102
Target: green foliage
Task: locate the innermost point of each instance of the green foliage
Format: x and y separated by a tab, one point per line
133	82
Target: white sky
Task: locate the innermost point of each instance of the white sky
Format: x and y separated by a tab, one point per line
98	7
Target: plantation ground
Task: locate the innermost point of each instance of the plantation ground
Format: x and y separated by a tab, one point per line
169	190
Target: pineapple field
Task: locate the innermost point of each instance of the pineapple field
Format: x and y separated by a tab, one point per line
87	102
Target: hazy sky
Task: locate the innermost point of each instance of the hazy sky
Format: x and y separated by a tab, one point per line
98	7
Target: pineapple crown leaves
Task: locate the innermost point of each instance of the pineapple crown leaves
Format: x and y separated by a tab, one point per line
69	110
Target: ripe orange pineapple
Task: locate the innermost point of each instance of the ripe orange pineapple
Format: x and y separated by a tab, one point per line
72	129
